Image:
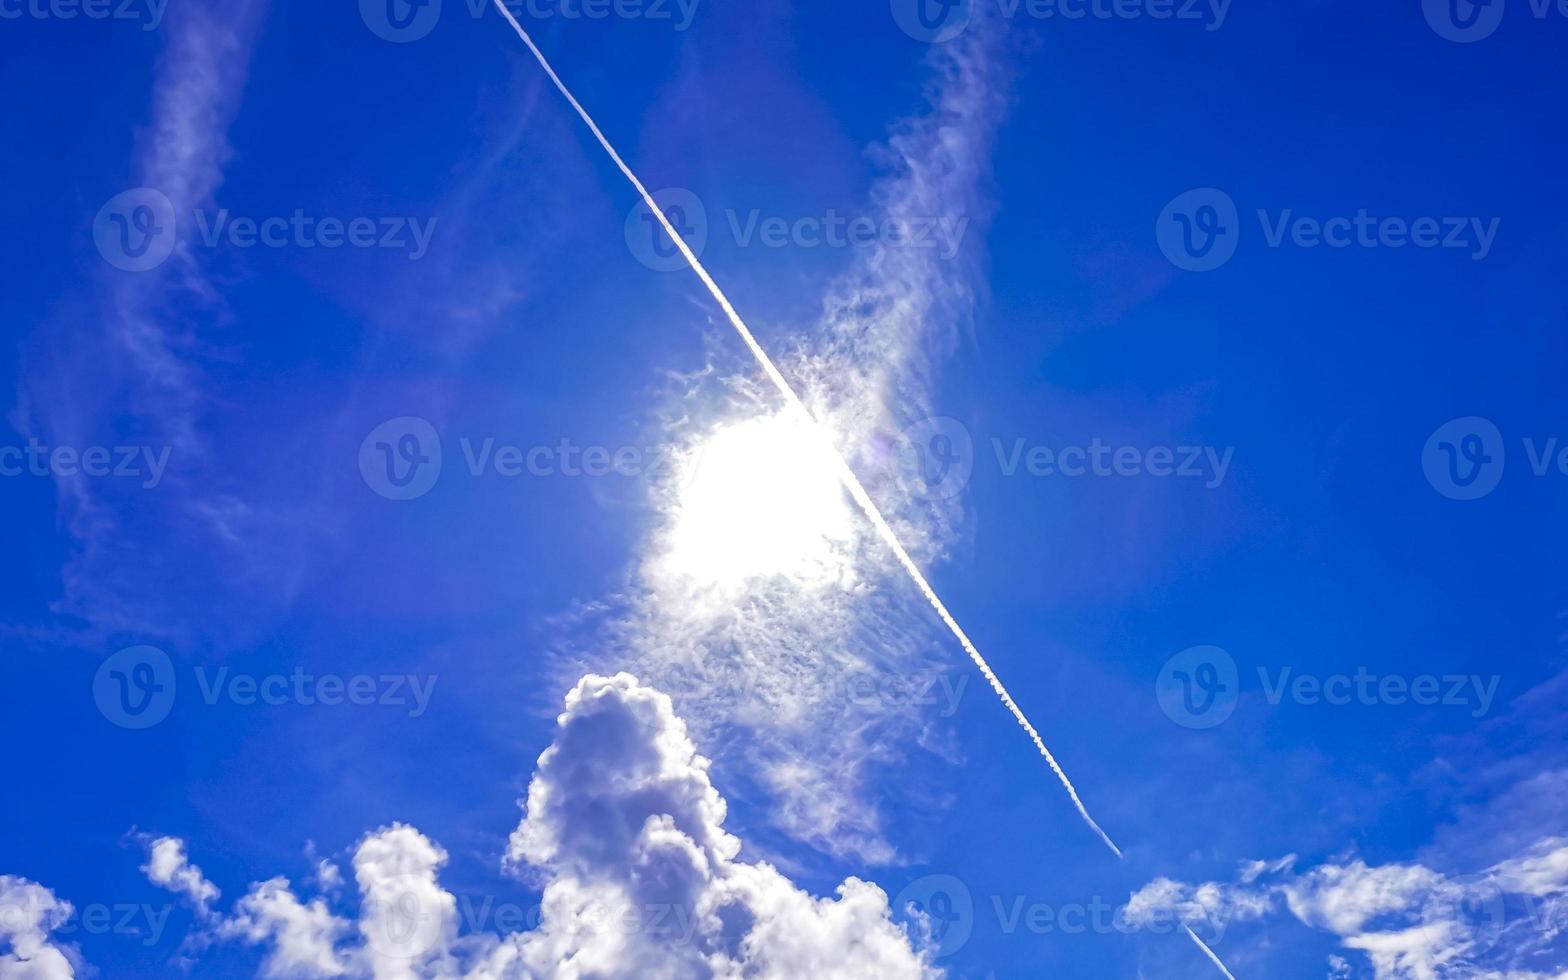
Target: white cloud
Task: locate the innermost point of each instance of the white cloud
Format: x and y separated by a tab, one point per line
1207	909
1410	922
302	939
29	913
168	867
625	831
1343	899
622	816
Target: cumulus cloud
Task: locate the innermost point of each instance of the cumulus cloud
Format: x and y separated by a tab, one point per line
29	913
622	815
1408	921
302	939
168	867
624	830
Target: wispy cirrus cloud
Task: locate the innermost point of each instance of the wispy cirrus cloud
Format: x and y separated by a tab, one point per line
1487	900
1408	921
130	362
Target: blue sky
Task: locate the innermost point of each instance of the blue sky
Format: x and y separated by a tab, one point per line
1210	365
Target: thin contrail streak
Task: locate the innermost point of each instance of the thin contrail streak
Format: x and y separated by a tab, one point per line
1210	953
845	474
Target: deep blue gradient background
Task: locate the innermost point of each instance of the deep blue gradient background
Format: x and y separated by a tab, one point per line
1325	549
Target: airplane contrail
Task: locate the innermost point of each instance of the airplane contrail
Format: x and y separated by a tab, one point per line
1215	957
845	474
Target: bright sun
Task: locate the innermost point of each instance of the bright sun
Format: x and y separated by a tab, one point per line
761	498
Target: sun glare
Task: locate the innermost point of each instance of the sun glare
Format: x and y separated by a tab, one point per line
761	498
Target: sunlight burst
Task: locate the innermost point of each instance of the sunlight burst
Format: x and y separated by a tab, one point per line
761	498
